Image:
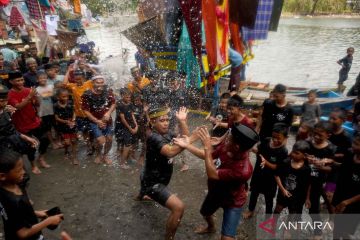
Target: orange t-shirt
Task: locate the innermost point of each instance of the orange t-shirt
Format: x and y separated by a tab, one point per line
144	82
77	92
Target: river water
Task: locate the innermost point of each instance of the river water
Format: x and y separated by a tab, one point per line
303	52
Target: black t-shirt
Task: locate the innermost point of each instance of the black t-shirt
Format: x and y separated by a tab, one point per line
65	113
127	110
342	141
30	79
348	184
154	97
263	178
6	126
347	62
273	114
177	99
158	168
17	213
326	152
296	181
139	114
222	115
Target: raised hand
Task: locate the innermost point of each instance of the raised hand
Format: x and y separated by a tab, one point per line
181	115
205	137
33	92
182	141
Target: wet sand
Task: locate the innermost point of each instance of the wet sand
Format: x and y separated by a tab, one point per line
97	200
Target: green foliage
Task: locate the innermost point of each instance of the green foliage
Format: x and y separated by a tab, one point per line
323	6
106	6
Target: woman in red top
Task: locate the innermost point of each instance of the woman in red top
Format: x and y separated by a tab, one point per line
25	118
227	176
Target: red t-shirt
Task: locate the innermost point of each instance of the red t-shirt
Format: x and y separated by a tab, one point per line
245	121
233	173
24	119
98	104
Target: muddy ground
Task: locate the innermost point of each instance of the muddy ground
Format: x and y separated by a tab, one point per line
97	200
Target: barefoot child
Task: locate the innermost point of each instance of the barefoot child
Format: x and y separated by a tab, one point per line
126	127
20	219
65	118
293	179
271	153
310	110
25	118
345	64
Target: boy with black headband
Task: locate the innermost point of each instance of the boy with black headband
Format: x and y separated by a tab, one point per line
158	167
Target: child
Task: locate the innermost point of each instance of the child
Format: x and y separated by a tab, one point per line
271	153
310	110
46	107
235	115
25	118
320	153
20	219
345	68
347	194
219	114
342	141
293	179
65	118
141	120
126	127
304	132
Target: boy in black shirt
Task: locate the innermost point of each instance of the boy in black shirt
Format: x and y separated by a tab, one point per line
347	194
158	168
271	153
20	219
345	63
219	114
125	127
277	110
293	179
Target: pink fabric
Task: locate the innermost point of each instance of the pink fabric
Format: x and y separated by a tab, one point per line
15	17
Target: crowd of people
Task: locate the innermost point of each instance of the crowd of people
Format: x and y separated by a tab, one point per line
43	105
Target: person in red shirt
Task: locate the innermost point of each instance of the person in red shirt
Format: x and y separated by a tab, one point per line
235	114
227	176
98	104
25	118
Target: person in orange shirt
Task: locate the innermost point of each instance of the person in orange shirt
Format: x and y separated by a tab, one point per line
139	82
77	89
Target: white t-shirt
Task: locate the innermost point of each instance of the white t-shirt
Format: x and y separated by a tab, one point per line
45	96
51	24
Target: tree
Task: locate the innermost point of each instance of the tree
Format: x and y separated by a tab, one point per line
315	2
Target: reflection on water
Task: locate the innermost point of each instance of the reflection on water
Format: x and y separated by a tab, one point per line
303	52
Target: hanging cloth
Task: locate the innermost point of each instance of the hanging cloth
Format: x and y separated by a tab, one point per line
52	24
191	10
15	17
234	25
209	17
45	3
222	27
77	6
261	29
243	12
4	3
186	61
275	15
35	11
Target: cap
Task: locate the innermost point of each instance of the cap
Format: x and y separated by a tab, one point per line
244	136
97	77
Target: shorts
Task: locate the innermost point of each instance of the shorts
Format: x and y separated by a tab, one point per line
69	135
231	217
97	132
330	187
125	138
82	124
159	193
342	78
291	203
47	122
